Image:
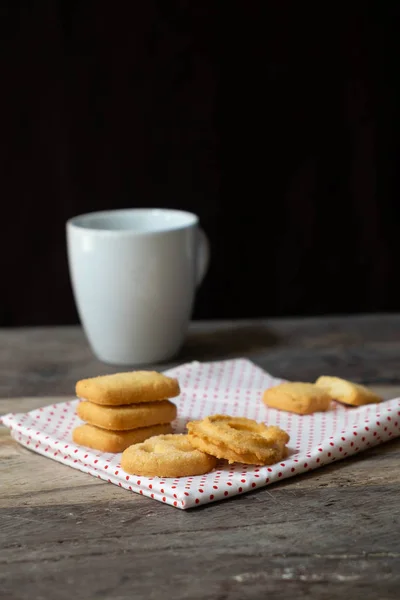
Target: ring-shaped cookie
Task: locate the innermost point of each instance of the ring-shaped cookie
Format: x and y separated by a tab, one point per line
238	439
166	456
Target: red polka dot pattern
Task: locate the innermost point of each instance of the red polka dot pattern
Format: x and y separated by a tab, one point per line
228	387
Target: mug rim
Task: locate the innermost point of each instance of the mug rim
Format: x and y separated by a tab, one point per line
78	221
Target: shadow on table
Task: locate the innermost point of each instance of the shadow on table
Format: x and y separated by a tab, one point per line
236	341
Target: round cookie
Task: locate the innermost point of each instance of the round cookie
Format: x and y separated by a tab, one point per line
297	397
166	456
238	439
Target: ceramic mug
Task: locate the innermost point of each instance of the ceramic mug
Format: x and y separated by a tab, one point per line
134	276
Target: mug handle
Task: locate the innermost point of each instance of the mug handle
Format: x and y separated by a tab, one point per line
203	255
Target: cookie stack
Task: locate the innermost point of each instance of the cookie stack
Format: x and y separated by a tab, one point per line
124	409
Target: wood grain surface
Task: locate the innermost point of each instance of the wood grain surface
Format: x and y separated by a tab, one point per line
329	534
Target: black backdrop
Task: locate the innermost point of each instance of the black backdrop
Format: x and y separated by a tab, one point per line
278	126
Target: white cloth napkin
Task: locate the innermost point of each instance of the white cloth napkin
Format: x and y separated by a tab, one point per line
231	387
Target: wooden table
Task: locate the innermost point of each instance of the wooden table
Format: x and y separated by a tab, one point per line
333	533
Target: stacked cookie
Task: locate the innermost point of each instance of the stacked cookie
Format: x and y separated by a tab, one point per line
124	409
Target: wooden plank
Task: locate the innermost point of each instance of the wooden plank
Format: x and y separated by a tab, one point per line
47	361
328	534
264	543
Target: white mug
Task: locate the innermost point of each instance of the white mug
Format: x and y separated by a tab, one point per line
134	276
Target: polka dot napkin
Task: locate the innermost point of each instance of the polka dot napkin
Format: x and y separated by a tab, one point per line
231	387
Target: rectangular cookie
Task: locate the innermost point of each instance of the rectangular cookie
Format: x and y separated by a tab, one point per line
127	388
297	397
347	392
115	441
130	416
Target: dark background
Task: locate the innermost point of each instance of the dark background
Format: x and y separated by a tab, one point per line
277	125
